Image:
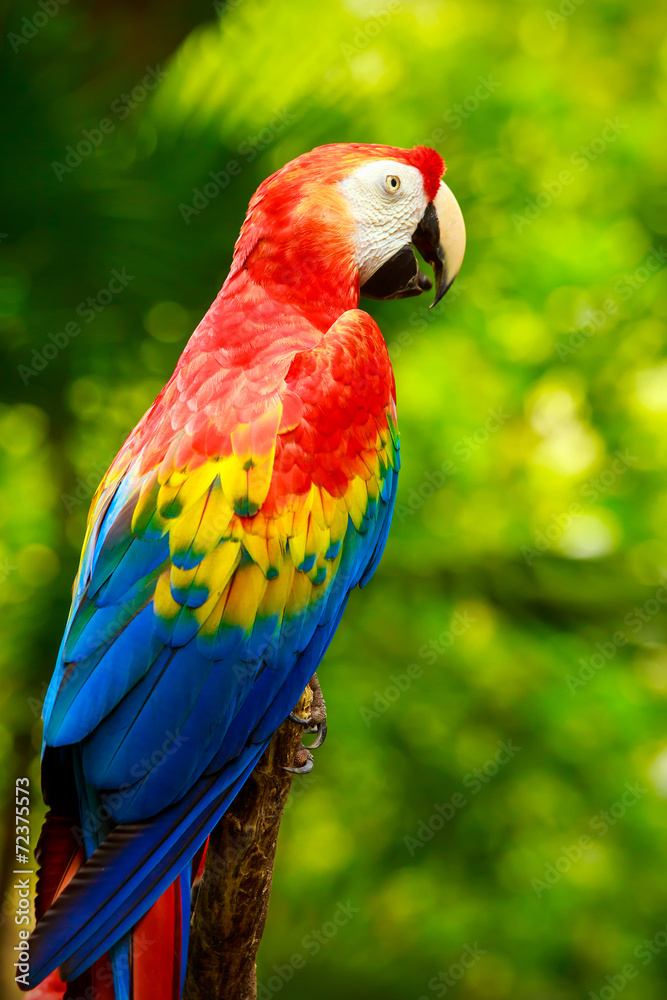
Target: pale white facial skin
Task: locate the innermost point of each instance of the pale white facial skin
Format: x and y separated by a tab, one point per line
387	200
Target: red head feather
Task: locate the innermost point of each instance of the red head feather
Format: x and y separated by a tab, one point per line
431	165
335	161
276	215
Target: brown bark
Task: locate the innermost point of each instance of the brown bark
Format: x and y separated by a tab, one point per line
233	896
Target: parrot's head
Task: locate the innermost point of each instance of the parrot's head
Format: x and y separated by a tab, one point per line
344	220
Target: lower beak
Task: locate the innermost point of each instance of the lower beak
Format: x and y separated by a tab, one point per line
440	238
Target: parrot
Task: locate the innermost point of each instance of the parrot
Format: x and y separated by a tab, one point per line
221	548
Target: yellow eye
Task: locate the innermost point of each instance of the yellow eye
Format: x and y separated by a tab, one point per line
393	182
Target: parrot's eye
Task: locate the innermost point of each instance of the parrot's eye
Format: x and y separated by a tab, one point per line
393	182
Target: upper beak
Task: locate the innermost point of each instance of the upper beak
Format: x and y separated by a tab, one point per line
440	238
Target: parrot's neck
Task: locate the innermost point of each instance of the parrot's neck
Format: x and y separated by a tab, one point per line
300	257
271	294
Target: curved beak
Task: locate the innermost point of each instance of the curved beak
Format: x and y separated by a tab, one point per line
440	238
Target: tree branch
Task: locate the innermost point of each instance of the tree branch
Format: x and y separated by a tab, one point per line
233	897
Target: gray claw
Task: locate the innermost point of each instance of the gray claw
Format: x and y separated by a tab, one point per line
305	768
297	718
316	723
321	729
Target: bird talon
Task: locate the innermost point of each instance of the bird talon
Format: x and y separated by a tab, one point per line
315	724
308	762
321	729
299	720
312	728
318	714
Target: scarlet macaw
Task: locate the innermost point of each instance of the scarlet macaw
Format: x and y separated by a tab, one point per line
221	549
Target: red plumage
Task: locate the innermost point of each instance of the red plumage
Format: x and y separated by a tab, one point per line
286	376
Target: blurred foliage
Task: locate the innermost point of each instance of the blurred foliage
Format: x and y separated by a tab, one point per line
503	609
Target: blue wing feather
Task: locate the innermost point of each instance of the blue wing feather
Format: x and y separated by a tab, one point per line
127	684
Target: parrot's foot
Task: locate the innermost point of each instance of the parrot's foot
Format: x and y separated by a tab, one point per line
303	762
317	720
315	723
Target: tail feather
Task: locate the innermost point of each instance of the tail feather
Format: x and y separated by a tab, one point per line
128	873
59	855
156	957
160	945
53	988
120	955
148	962
96	982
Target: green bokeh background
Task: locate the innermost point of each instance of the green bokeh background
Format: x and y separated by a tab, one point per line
518	526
